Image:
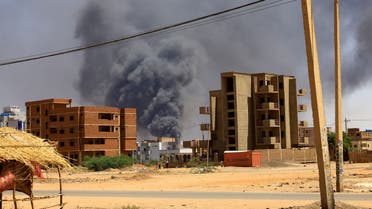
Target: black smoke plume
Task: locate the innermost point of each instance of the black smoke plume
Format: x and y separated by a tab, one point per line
149	75
358	63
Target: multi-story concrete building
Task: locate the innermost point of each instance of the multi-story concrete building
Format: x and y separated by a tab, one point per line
360	140
13	117
255	111
83	131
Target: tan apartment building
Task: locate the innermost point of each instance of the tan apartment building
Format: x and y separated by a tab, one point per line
255	111
360	140
83	131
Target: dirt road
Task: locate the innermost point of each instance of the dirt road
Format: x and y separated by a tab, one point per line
294	178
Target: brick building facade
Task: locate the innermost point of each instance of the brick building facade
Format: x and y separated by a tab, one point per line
83	131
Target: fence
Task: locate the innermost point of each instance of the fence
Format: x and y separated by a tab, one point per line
360	157
288	155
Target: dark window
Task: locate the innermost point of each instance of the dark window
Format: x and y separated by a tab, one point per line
37	109
61	144
232	148
231	114
231	122
53	130
71	117
46	124
280	85
230	105
100	141
282	134
231	140
37	133
229	84
90	141
62	131
61	118
262	100
271	133
263	133
37	121
263	117
262	82
282	118
105	128
105	116
281	101
72	130
231	132
72	143
46	112
53	118
46	136
230	97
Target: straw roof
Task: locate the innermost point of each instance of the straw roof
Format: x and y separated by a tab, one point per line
28	149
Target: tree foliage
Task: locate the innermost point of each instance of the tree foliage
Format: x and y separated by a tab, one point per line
346	141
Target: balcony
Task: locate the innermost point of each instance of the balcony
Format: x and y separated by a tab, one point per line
268	140
303	123
303	140
302	108
270	123
268	106
301	92
267	89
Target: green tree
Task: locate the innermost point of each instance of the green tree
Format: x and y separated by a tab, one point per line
346	143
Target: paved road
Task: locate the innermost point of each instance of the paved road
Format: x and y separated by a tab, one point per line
207	195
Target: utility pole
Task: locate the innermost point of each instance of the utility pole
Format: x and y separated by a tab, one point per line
320	130
338	102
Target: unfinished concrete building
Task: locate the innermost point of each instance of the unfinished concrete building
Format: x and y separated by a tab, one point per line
83	131
255	111
360	140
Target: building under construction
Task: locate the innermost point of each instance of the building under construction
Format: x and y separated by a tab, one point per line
83	131
255	111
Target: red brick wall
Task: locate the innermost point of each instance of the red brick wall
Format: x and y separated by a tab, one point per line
85	123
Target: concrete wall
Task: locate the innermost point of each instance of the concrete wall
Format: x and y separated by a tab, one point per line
289	155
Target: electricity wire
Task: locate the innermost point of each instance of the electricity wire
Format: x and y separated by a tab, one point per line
200	21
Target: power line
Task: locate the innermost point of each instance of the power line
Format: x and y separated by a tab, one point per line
211	18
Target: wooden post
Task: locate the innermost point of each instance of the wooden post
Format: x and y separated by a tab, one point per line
14	197
32	194
60	189
320	130
338	103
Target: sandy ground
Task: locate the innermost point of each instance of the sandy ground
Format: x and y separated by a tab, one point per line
276	178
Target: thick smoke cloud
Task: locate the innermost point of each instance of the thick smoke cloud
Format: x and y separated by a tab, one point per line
143	73
358	66
147	75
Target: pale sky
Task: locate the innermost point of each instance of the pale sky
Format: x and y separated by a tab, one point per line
268	41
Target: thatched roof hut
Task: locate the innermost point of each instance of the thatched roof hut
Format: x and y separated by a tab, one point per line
28	149
21	156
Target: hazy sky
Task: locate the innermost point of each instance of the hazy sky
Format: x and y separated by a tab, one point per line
267	41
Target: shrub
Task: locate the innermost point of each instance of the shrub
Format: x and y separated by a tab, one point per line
203	169
151	163
105	162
